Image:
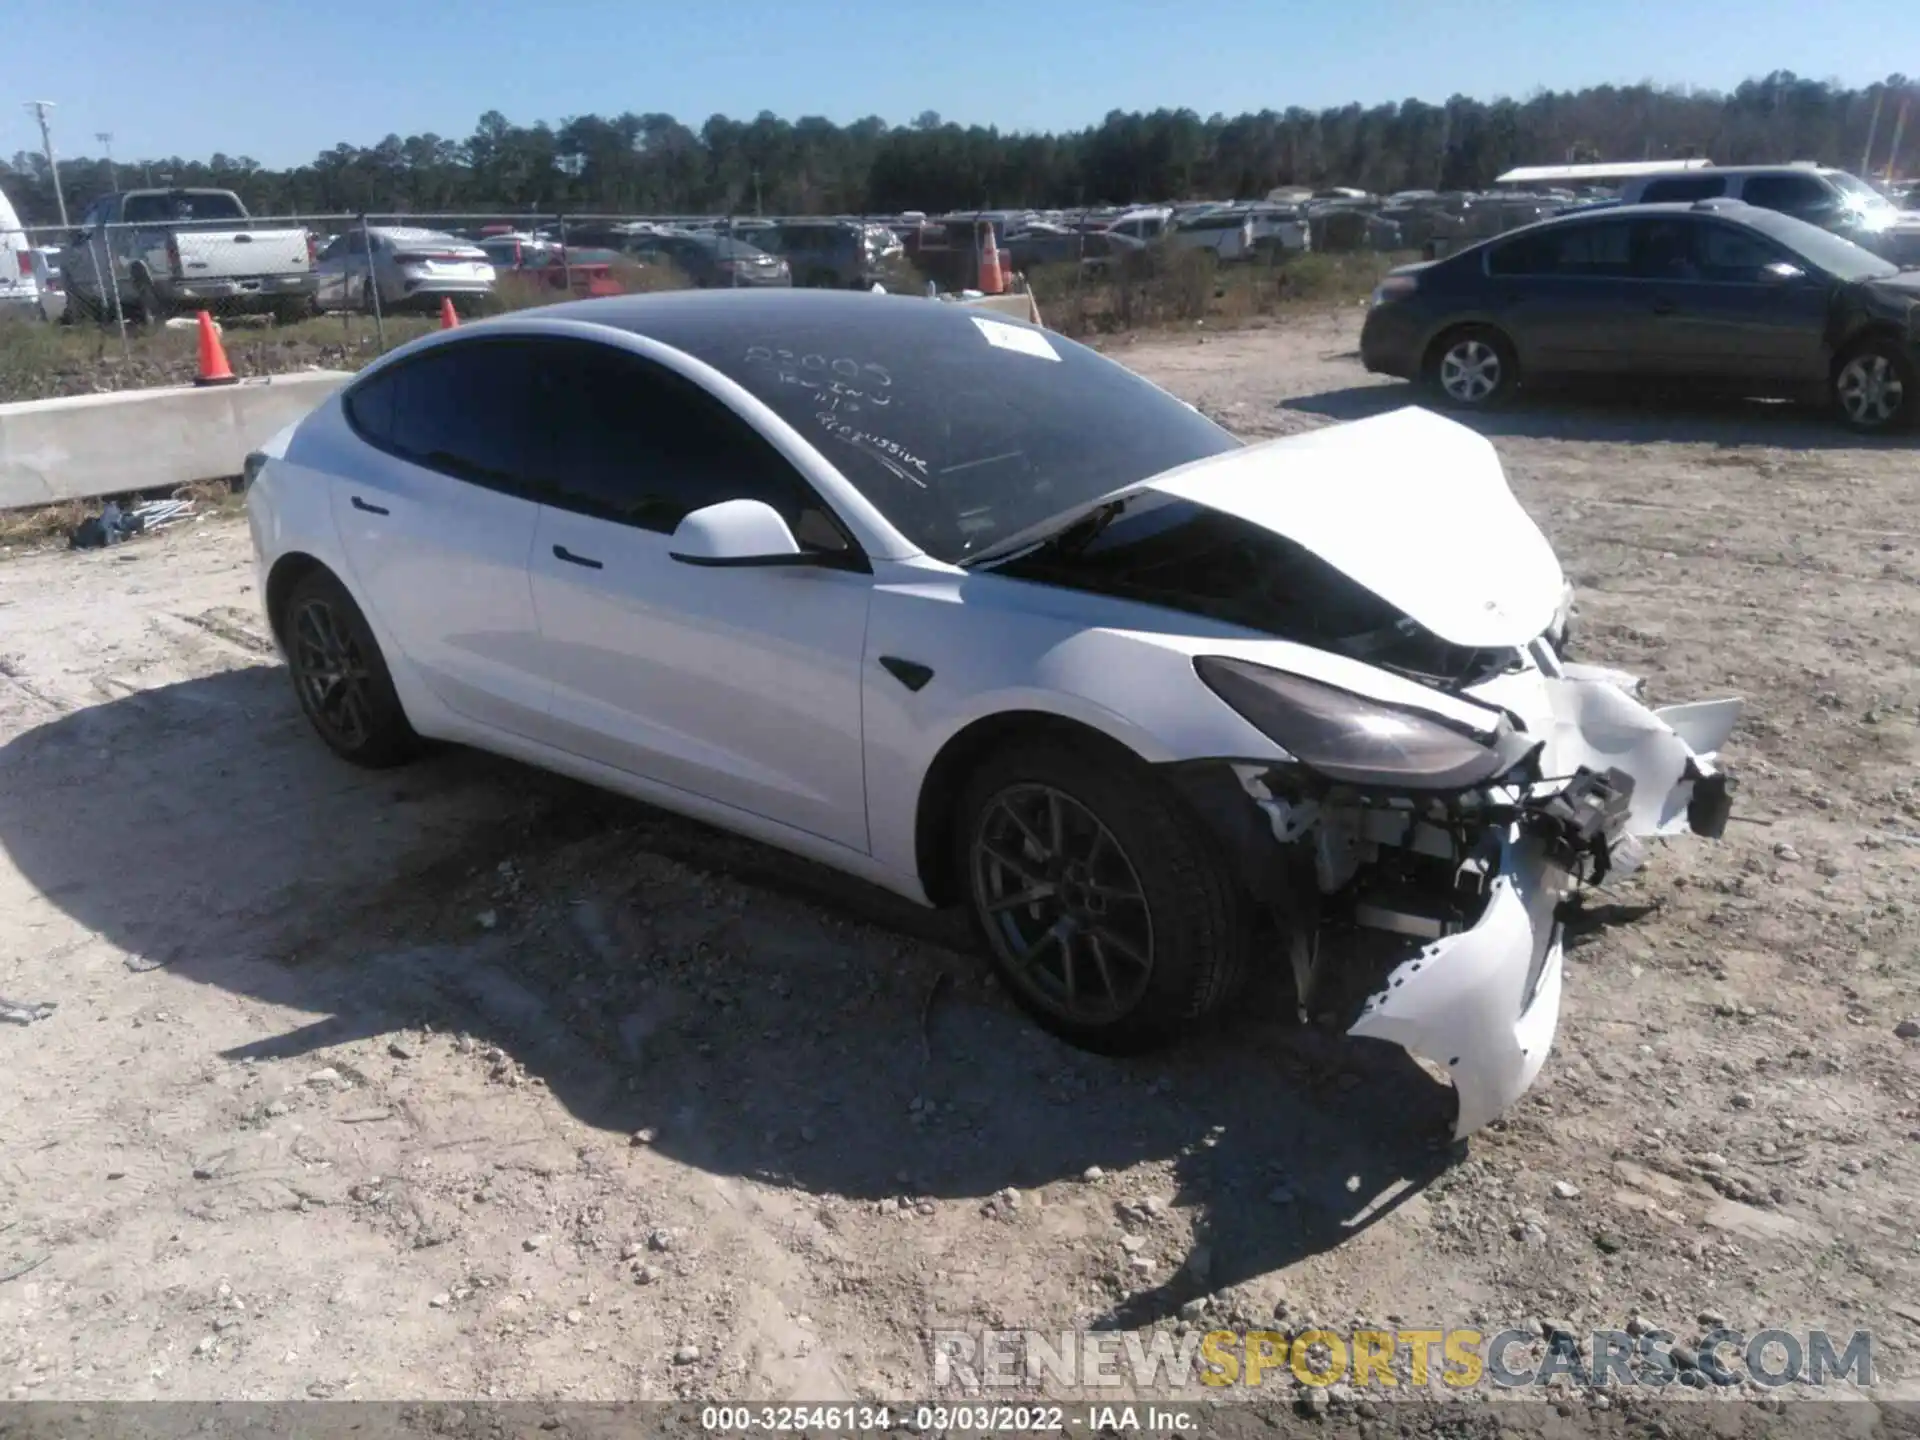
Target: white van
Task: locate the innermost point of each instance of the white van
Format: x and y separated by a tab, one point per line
19	290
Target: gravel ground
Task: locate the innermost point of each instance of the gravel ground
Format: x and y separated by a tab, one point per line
462	1081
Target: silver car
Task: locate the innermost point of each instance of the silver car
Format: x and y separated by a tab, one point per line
411	269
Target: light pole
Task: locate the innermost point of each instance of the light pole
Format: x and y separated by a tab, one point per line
40	108
105	137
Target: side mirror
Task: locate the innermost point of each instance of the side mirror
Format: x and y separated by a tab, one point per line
737	534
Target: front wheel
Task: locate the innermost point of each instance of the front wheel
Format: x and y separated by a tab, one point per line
342	678
1103	906
1876	387
1473	368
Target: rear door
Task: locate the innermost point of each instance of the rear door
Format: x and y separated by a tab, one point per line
437	526
1562	293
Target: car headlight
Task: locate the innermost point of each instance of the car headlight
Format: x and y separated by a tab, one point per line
1347	738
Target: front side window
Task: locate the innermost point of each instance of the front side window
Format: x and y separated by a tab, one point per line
626	440
1734	256
1663	249
1790	194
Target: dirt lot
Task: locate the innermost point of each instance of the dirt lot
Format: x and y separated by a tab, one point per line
464	1082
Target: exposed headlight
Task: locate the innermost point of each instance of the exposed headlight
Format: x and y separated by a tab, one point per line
1356	741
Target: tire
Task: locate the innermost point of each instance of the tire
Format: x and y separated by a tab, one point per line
360	719
1472	368
1876	387
152	309
1158	934
292	312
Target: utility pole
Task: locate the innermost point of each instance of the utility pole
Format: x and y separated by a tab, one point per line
40	108
756	193
105	137
1873	129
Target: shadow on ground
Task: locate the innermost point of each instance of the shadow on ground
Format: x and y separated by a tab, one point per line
1618	413
767	1018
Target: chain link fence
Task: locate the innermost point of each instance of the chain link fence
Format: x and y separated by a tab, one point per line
339	288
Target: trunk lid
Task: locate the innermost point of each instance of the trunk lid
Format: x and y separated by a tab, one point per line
1412	506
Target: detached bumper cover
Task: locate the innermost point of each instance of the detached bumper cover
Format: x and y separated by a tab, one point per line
1484	1004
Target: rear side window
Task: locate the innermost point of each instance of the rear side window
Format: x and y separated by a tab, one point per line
1682	189
626	440
461	409
1596	249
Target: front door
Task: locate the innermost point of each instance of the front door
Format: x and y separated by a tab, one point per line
742	686
1753	311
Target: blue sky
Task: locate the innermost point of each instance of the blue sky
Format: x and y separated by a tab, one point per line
281	80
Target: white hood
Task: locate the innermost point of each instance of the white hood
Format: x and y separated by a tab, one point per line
1411	505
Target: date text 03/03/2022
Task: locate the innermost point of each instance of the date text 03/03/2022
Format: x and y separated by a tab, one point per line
949	1419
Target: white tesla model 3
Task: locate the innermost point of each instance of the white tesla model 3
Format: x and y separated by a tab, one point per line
963	608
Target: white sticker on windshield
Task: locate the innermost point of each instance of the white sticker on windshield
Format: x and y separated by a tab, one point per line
1013	337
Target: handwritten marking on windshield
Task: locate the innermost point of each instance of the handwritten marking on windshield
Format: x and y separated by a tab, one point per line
891	454
841	382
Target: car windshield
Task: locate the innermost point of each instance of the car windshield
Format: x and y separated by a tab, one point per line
1835	254
1858	190
960	428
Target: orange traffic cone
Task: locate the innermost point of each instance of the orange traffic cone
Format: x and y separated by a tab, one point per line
214	369
449	317
1006	273
992	277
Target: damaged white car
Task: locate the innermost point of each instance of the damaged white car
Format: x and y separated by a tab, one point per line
963	608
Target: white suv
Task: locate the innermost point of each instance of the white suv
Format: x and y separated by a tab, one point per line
1831	199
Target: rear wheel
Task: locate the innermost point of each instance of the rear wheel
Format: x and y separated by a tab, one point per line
1472	368
342	678
151	308
1102	905
1876	387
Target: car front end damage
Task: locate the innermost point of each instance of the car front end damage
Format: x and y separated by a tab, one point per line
1420	874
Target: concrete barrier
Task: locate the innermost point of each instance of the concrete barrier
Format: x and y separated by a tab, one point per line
82	446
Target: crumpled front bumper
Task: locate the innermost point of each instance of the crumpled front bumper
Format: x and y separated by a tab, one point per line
1484	1003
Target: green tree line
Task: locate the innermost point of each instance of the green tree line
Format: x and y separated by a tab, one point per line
655	164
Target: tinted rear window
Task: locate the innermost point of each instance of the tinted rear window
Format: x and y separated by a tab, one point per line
1683	188
958	441
184	205
462	409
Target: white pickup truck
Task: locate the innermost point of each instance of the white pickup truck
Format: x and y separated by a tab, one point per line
160	252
